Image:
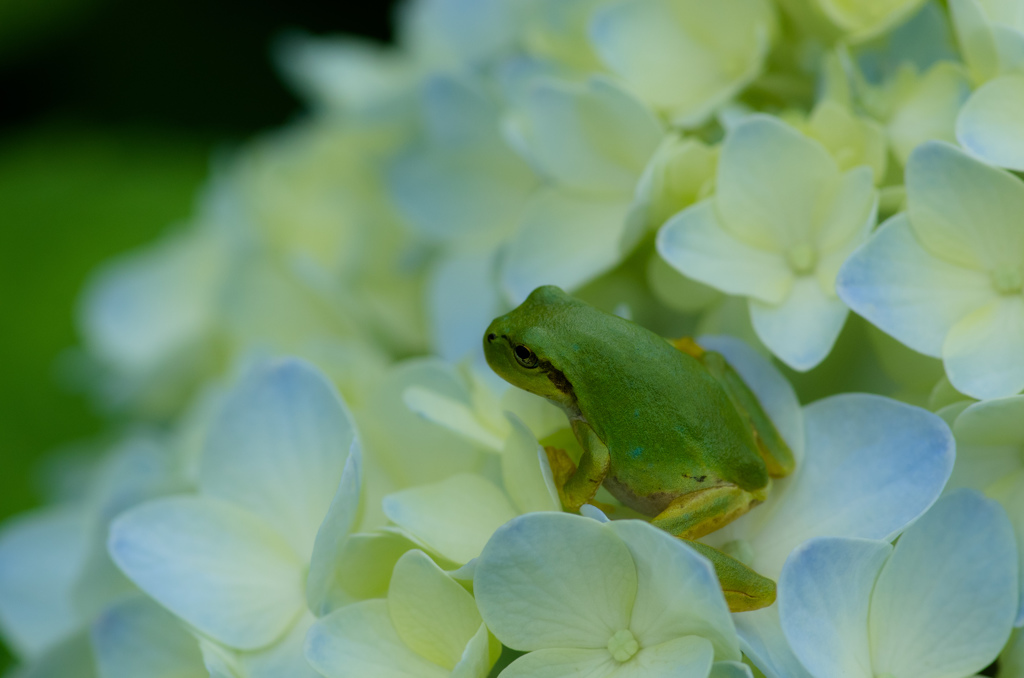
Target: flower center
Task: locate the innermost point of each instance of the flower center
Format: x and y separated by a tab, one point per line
802	259
623	645
1007	280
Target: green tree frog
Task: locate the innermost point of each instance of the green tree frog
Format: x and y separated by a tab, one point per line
669	429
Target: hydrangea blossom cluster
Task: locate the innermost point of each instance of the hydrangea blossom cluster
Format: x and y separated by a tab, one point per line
323	478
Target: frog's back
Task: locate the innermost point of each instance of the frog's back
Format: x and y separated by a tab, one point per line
669	425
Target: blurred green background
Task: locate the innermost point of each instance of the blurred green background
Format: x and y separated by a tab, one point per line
110	111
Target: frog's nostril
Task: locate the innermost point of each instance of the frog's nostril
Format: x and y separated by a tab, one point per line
492	336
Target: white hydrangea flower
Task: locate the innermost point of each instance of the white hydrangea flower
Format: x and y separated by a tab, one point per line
940	604
946	277
241	561
619	599
782	220
990	458
991	34
428	626
724	45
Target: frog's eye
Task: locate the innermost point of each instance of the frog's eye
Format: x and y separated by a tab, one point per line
525	356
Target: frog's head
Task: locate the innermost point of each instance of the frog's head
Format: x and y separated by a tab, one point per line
525	347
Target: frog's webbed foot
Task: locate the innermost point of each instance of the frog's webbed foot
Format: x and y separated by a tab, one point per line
696	514
778	458
744	589
577	485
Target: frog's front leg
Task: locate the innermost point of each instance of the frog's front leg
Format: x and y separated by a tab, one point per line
577	485
698	513
744	589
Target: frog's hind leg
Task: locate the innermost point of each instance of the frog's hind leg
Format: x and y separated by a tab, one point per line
744	589
778	458
696	514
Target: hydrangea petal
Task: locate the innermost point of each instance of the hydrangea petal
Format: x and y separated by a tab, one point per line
771	179
762	640
41	554
963	210
982	352
772	389
851	214
548	580
477	658
723	45
526	472
581	239
359	640
686	657
992	422
278	449
452	414
802	329
930	111
825	590
453	517
945	603
433	615
284	658
896	284
872	466
592	136
677	593
462	297
334	533
696	244
137	637
214	565
561	662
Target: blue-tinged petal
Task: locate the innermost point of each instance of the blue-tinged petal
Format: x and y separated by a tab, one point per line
565	240
899	286
802	329
696	244
141	309
551	580
771	183
763	642
982	351
991	124
824	595
359	640
677	592
963	210
945	603
136	637
772	389
561	662
218	567
462	297
41	555
592	136
278	449
453	517
286	657
872	466
476	193
333	535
